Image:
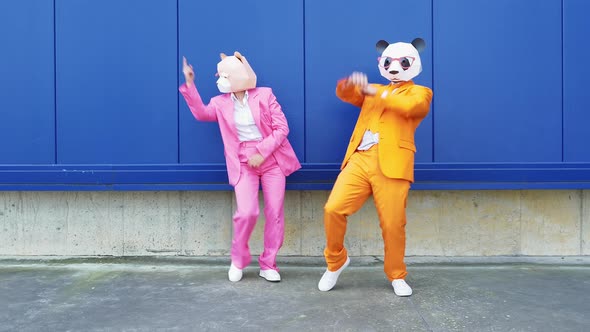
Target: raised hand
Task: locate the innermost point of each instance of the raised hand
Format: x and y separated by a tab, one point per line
360	80
189	73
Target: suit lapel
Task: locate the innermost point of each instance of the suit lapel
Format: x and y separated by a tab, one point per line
227	111
254	106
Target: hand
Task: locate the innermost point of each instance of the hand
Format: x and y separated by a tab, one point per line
358	79
256	160
187	70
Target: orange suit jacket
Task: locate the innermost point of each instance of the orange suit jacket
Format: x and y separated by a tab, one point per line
401	108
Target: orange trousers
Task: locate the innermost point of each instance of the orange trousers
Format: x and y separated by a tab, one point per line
360	178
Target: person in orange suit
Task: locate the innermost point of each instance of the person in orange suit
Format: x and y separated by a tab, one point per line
379	159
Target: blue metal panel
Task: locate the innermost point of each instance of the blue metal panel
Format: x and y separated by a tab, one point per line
270	34
576	84
27	108
116	81
498	89
497	81
340	37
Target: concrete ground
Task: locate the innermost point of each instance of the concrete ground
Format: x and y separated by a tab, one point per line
193	294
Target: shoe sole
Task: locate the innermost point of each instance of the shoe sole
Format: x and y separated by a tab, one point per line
234	280
268	279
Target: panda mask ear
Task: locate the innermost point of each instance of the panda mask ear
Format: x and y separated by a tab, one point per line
419	44
381	46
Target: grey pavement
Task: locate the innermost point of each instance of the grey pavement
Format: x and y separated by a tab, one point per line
193	294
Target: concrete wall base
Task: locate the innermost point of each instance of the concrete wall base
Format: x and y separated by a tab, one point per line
440	223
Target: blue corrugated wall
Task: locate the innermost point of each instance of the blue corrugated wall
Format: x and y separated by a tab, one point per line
89	100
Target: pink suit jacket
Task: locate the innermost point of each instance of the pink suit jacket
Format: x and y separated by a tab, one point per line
269	119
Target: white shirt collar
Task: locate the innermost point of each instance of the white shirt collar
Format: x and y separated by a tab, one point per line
234	98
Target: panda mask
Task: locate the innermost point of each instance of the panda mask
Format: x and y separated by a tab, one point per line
235	74
400	62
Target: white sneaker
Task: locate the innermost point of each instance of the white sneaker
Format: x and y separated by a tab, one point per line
234	273
330	278
270	275
401	288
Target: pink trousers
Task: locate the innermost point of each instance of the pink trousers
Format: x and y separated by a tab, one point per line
244	220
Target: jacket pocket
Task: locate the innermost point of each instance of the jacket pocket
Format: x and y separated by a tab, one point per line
407	145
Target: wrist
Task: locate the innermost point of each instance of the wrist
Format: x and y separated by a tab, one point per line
369	90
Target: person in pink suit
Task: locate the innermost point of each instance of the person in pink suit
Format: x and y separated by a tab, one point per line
254	132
